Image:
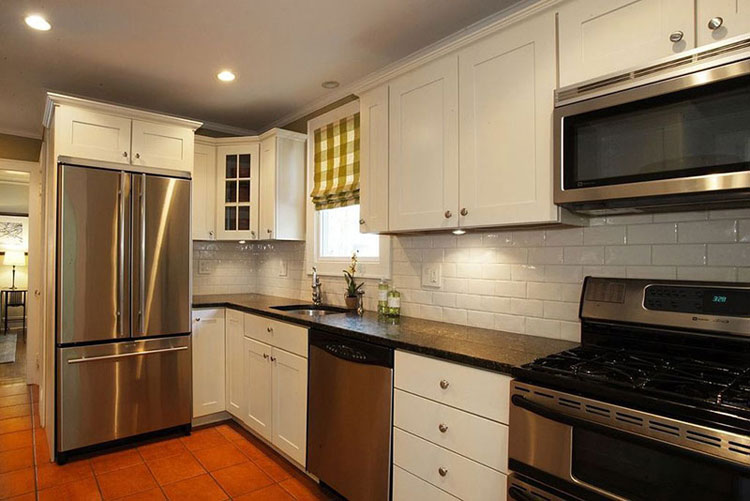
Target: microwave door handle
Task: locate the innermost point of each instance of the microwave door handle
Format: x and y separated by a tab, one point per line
559	417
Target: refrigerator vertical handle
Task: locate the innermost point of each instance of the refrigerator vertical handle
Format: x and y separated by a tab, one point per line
142	253
120	253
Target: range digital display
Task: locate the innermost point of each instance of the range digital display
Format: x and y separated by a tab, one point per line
731	302
706	300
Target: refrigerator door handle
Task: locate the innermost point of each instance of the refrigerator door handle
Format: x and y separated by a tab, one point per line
121	254
142	255
124	355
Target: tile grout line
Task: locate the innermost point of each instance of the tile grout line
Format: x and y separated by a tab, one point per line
148	467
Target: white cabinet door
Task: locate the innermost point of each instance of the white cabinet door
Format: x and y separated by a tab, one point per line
506	84
96	136
235	383
373	168
162	146
208	362
237	191
423	149
598	38
258	385
290	404
732	16
204	192
268	188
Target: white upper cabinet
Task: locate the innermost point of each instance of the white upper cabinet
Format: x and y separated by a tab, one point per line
600	37
721	19
506	84
423	159
208	362
373	169
204	191
89	130
162	146
237	191
82	133
282	185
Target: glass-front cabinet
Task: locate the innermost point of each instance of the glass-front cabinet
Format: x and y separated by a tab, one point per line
237	191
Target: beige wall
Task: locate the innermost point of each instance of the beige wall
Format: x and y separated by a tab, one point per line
300	125
20	148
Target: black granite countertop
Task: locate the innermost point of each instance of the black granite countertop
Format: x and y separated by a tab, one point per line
490	349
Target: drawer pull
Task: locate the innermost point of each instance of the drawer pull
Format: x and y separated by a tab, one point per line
442	471
444	384
442	427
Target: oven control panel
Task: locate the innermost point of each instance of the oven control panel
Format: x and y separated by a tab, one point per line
733	302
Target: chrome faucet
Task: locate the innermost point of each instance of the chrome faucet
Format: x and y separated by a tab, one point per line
317	296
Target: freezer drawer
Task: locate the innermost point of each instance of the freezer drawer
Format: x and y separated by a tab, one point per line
116	390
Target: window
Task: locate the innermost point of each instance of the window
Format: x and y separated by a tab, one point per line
340	237
333	208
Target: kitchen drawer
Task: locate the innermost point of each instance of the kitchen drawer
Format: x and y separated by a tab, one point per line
472	436
407	487
474	390
464	478
289	337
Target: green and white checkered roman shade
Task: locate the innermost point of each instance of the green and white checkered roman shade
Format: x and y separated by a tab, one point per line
336	175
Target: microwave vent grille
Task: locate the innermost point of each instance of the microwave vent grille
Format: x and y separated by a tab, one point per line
615	82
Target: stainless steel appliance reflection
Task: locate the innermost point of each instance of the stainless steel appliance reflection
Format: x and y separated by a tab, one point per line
123	305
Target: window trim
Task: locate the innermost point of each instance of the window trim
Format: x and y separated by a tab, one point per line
368	267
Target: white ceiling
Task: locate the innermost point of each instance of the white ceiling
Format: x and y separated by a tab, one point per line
163	55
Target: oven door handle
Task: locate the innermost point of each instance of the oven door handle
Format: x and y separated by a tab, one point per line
517	494
559	417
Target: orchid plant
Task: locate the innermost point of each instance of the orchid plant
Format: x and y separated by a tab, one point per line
352	288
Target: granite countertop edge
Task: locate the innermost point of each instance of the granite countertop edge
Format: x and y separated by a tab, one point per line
494	350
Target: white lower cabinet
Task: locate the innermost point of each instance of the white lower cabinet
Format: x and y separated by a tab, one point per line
290	404
208	362
450	435
259	384
275	383
235	381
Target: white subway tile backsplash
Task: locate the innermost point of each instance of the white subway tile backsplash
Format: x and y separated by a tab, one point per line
707	231
526	281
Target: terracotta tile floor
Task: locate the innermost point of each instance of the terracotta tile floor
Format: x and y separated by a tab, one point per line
216	462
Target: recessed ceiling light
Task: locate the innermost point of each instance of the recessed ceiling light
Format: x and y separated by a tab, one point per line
329	84
38	22
226	76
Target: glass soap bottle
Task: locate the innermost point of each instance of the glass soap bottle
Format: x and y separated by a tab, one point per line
394	303
383	289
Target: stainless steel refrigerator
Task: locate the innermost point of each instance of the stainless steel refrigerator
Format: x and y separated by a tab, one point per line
123	305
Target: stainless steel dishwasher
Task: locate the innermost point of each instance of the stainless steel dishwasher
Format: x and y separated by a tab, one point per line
350	413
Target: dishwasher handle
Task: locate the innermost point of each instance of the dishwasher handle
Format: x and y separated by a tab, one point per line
352	350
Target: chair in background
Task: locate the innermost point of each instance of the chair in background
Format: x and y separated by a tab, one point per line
14	299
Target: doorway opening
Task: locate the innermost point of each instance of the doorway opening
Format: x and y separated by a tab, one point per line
14	277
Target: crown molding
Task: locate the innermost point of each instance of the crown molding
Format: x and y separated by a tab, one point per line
228	129
23	134
451	43
54	99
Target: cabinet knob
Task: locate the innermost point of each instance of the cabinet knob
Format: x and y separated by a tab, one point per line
273	359
265	355
464	212
361	221
676	36
137	155
443	427
269	329
252	233
444	384
448	214
715	23
198	319
442	471
268	231
125	154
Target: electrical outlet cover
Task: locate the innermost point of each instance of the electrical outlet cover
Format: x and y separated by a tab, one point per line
283	268
206	267
432	275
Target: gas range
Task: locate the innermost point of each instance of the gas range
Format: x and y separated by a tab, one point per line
662	379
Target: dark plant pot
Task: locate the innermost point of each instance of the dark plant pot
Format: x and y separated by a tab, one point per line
351	302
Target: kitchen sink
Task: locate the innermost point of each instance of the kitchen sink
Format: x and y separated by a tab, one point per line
311	310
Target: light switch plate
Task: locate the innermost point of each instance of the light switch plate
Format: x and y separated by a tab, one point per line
283	268
432	275
206	267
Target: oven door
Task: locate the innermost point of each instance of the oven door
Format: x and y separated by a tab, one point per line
590	460
681	139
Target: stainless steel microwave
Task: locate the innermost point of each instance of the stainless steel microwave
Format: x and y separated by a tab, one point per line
674	135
